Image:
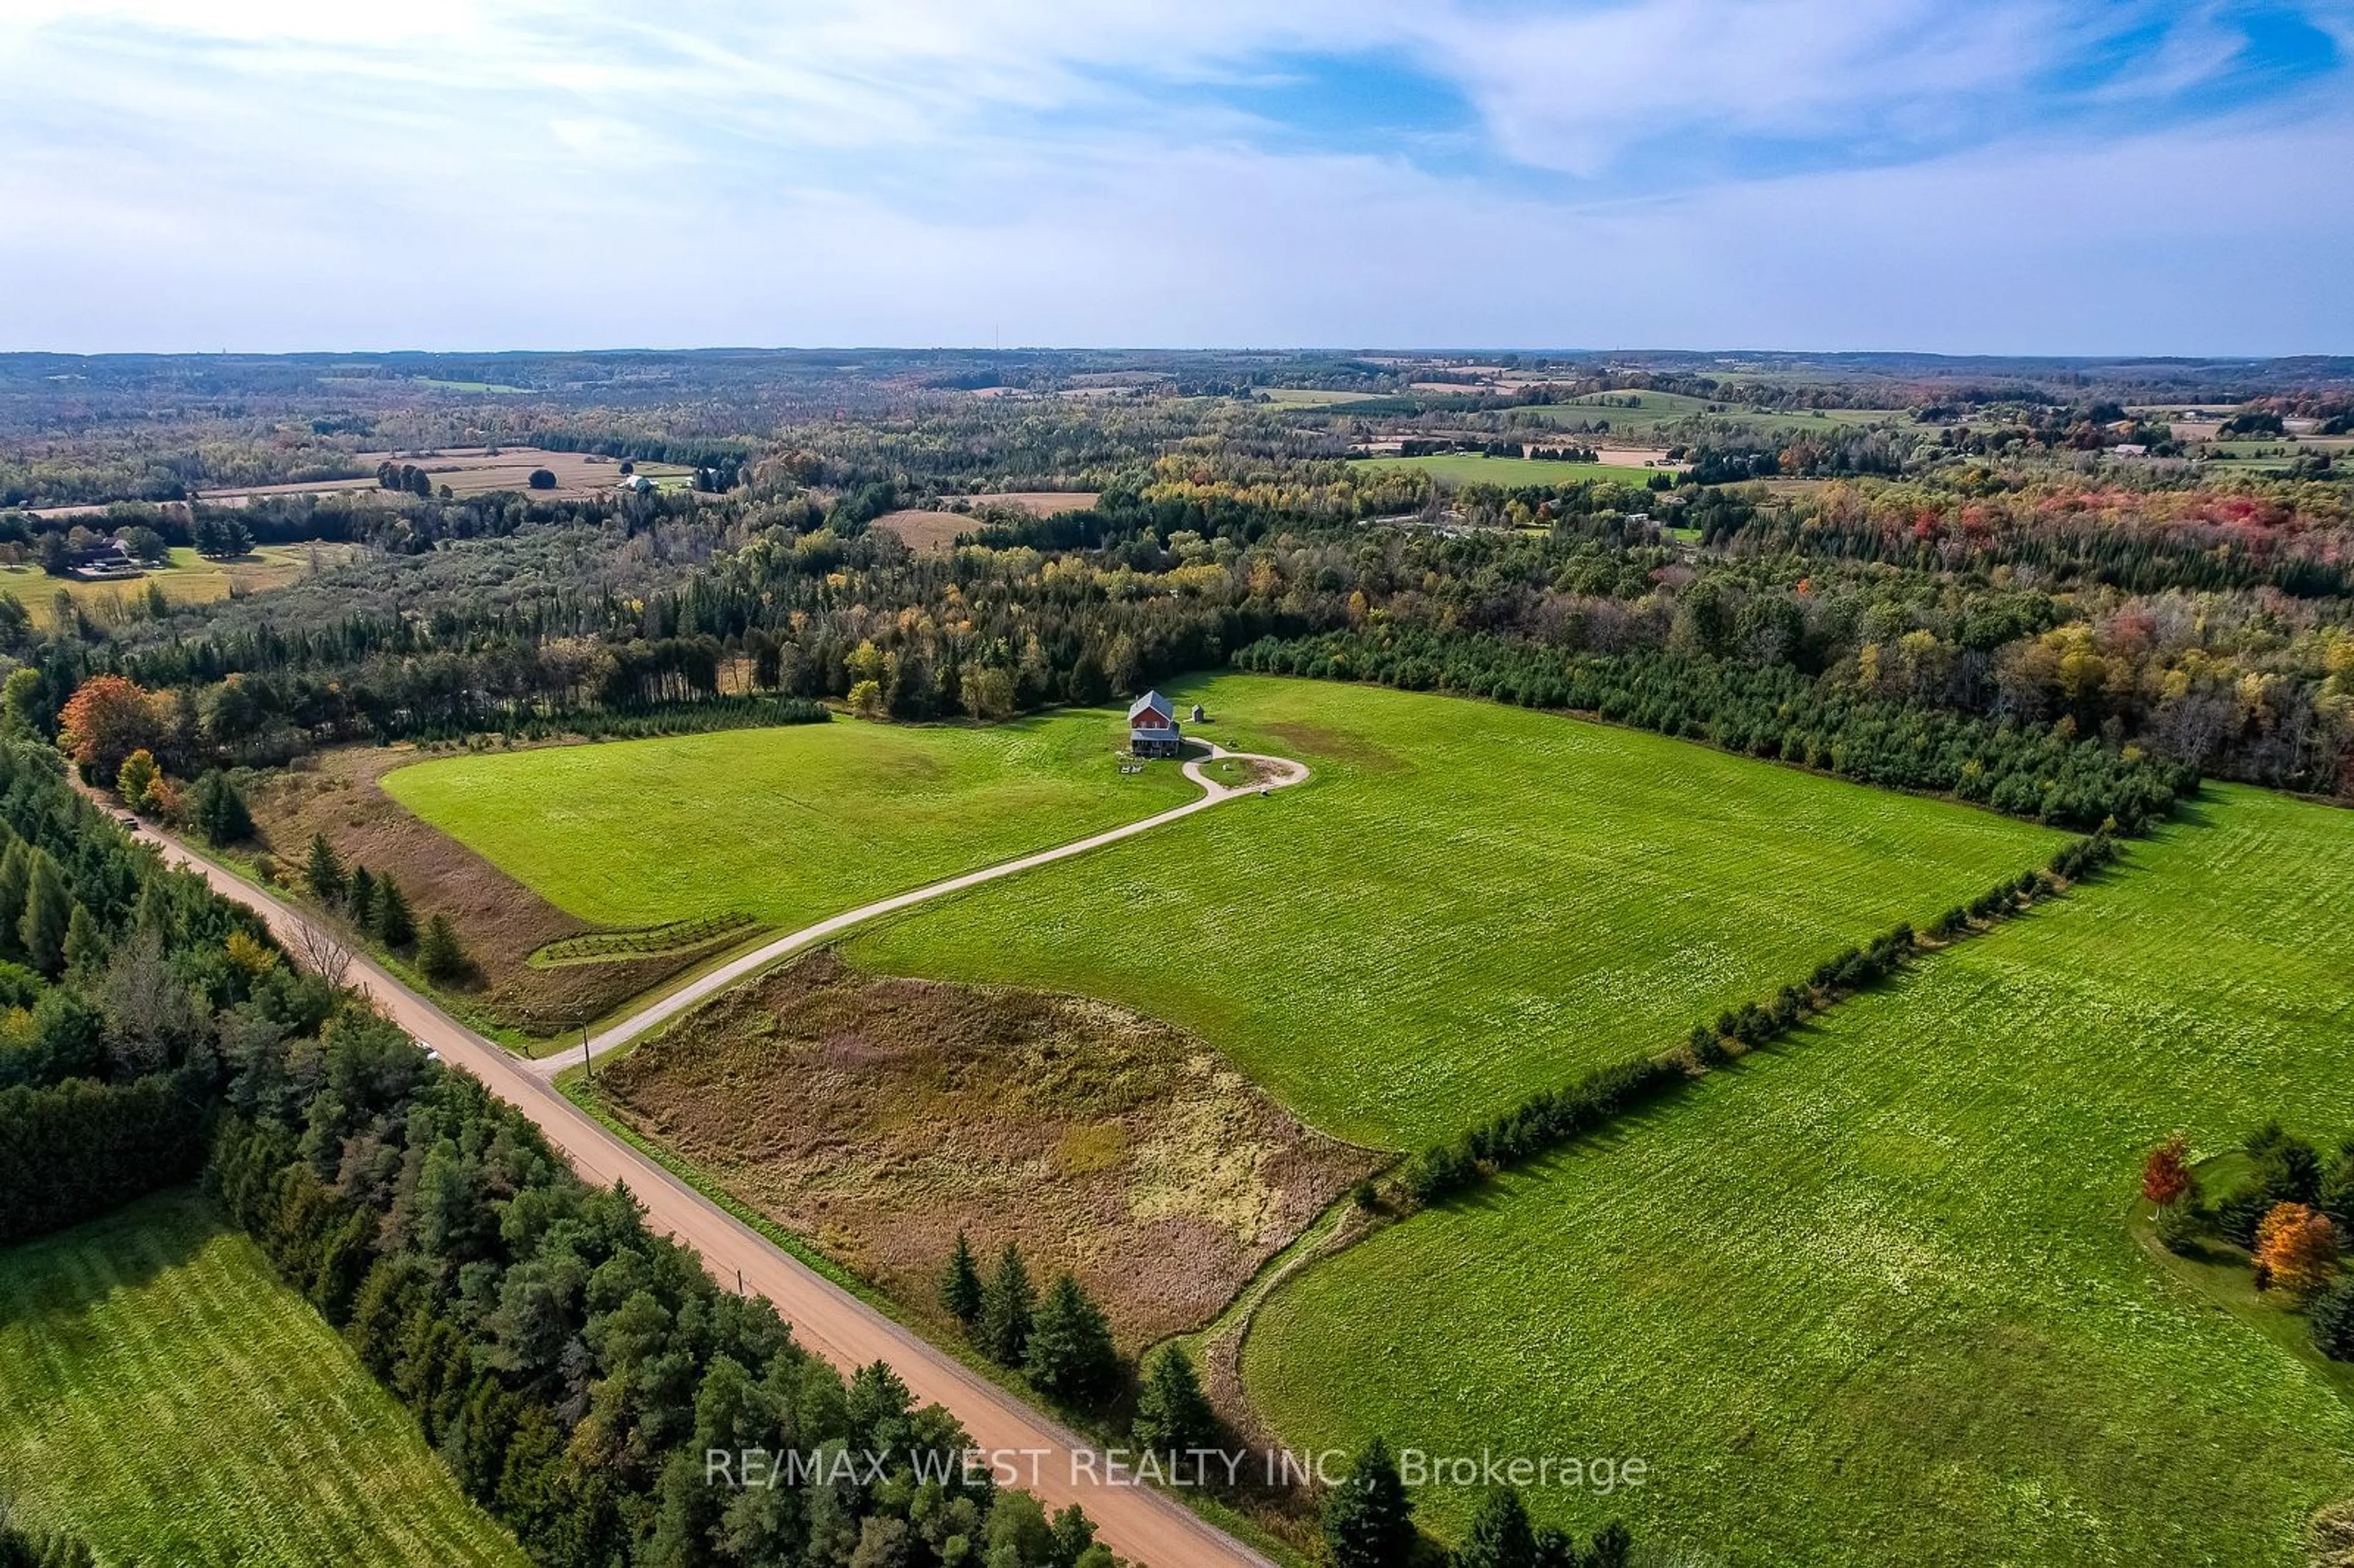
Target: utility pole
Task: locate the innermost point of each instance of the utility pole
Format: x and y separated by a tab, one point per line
587	1064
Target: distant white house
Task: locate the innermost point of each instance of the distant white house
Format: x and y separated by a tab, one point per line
637	484
2130	448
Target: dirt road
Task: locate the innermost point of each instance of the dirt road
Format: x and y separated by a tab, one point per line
1271	773
1135	1521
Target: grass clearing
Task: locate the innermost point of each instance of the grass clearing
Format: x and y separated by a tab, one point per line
1478	468
1466	901
1876	1295
189	579
790	824
168	1400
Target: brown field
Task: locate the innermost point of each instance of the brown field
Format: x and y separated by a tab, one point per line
500	921
927	532
467	471
877	1116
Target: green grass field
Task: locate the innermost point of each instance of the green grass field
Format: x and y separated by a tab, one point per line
1872	1297
1478	468
189	579
1661	410
1466	901
163	1397
1314	396
790	824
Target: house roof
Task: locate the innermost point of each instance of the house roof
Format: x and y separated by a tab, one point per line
1151	702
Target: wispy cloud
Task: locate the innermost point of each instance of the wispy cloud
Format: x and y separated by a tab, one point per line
1902	171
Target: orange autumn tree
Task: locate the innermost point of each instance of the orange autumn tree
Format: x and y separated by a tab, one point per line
2296	1249
105	721
2166	1176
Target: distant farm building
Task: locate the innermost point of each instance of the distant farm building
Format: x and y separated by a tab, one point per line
637	484
1152	726
108	560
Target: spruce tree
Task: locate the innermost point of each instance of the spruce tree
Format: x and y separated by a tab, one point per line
220	812
1173	1414
359	897
2331	1316
48	910
16	882
960	1288
1005	1307
85	943
1500	1535
438	952
1069	1355
395	926
325	873
1368	1517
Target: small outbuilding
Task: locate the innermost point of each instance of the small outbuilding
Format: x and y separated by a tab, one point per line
1152	726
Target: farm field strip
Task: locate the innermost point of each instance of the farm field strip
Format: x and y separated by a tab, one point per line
1877	1285
189	579
169	1400
789	824
1466	903
1478	468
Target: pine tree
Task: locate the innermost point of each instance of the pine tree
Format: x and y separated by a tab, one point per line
960	1288
325	873
16	884
85	943
1368	1517
438	952
220	812
48	910
1069	1355
359	897
1173	1414
2331	1316
1500	1536
395	926
1005	1307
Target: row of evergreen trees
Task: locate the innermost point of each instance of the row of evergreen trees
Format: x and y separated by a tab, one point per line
573	1369
1761	711
1551	1118
1369	1523
374	903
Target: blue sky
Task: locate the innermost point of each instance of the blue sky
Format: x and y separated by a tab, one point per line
2002	176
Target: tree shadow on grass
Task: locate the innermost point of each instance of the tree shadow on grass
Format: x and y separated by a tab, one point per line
68	1273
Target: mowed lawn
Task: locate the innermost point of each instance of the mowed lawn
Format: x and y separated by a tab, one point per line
790	824
1870	1297
1478	468
166	1399
1464	903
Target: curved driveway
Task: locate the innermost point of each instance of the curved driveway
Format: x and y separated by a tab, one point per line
1281	771
1136	1522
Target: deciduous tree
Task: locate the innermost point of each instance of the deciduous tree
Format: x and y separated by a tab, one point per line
107	719
2165	1175
2296	1249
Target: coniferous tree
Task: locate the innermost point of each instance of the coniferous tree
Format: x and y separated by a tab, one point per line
48	911
325	873
86	947
16	882
395	926
220	812
960	1287
1368	1517
438	952
1501	1536
2331	1318
1069	1354
359	897
1173	1414
1005	1308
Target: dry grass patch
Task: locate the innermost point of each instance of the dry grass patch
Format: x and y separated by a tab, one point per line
878	1116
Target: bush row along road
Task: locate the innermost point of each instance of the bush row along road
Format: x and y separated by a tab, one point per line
1135	1521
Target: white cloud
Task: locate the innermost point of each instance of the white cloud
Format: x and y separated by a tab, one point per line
443	175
